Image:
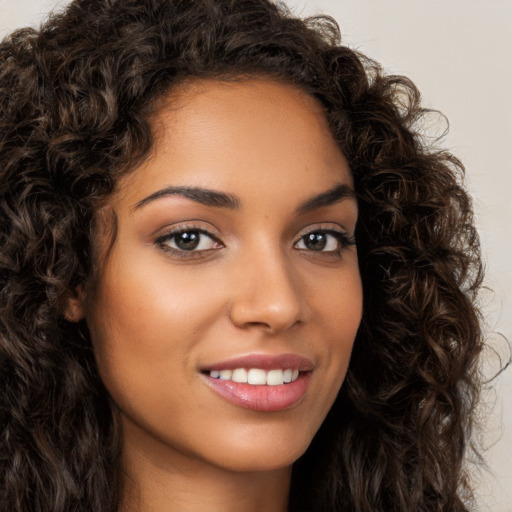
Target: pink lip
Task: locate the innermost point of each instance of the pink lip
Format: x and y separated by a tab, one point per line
264	362
262	398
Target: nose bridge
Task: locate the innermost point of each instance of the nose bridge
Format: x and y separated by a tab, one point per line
268	292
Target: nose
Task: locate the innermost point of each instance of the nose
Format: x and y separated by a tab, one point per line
268	294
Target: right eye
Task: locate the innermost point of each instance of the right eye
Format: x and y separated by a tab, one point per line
189	240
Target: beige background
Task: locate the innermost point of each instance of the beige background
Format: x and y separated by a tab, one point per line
459	53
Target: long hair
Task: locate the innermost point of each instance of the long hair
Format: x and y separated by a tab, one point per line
76	101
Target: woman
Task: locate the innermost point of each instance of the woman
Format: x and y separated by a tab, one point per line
210	208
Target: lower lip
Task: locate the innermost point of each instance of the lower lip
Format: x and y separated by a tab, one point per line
261	398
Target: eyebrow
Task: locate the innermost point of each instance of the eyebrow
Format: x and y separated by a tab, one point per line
199	195
332	196
217	199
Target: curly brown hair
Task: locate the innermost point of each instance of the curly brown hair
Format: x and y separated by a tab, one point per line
76	99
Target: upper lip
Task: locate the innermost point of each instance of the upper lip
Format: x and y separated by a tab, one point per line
263	362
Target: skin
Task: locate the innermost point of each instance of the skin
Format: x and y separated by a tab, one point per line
157	316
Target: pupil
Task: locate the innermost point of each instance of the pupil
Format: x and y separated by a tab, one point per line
188	240
315	241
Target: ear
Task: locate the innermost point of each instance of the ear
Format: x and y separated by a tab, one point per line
74	305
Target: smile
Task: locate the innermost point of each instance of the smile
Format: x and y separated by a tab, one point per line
260	382
257	376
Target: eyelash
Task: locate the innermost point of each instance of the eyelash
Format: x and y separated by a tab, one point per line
343	240
163	241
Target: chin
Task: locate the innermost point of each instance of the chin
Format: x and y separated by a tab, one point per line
260	455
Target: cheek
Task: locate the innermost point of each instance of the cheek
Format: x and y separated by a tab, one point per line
147	325
341	309
150	307
143	331
338	303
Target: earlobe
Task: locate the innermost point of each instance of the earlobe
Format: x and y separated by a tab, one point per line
74	305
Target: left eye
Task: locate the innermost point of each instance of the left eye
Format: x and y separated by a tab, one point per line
188	240
321	241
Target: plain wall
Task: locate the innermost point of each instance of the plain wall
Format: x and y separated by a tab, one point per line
459	53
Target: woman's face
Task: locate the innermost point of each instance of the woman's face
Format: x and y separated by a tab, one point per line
234	260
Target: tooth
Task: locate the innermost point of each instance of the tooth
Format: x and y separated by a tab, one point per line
295	374
256	376
287	375
225	374
275	378
239	375
215	374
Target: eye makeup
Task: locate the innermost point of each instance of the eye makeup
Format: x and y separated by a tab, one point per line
194	242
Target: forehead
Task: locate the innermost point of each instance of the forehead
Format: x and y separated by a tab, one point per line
235	134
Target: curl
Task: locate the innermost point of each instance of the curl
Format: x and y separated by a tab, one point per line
76	100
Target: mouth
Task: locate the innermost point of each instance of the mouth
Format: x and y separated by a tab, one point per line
260	382
257	376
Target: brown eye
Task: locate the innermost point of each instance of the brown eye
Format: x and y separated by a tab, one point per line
188	240
322	241
315	241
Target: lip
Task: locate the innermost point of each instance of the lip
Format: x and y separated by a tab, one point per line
264	362
262	398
